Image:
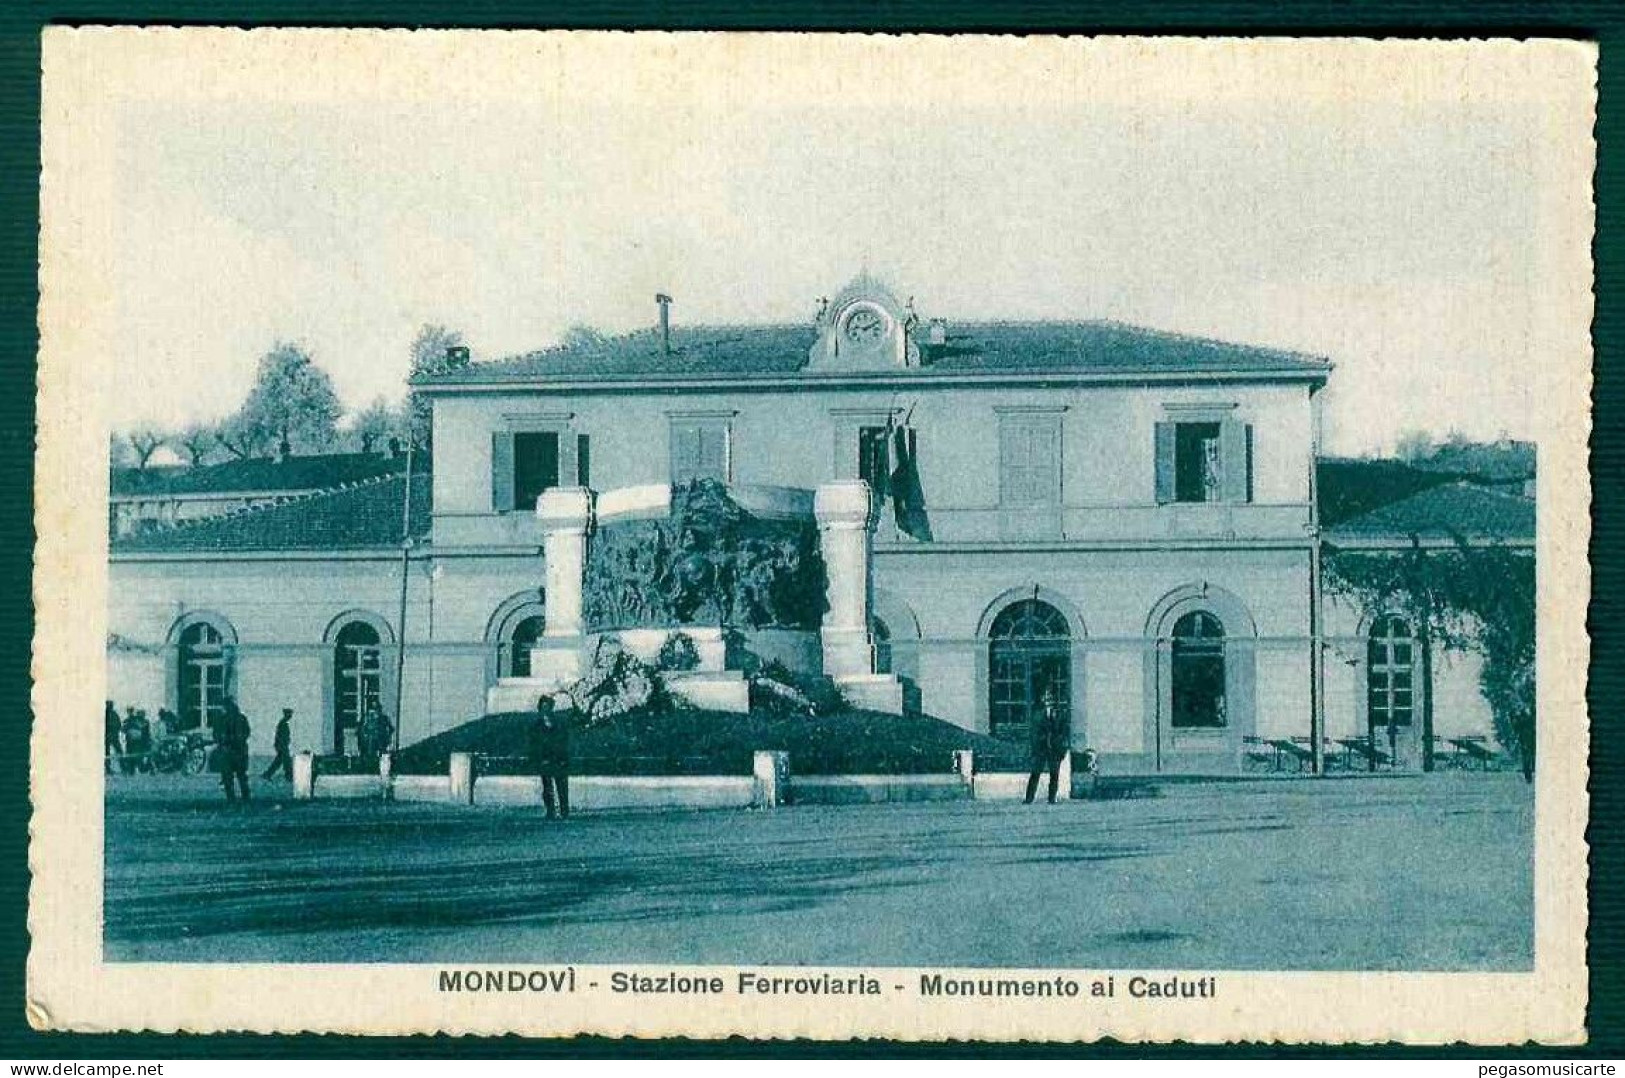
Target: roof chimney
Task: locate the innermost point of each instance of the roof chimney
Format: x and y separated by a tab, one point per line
665	321
939	332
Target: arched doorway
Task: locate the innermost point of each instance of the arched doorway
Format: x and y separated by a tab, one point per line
1390	683
357	681
526	632
1029	651
515	627
203	672
1198	693
1201	673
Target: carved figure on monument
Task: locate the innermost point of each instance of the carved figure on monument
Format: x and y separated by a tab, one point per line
708	563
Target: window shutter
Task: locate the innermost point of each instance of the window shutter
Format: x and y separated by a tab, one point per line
684	454
1166	434
713	453
1233	454
1011	490
1049	458
583	461
501	471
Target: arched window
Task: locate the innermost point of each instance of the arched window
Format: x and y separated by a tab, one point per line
882	637
526	632
357	678
1029	651
1390	672
1198	672
203	671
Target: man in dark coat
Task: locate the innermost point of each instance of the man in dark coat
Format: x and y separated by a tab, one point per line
137	741
282	761
376	732
1050	744
550	756
111	727
233	734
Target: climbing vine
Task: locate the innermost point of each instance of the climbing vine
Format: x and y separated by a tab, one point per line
1478	598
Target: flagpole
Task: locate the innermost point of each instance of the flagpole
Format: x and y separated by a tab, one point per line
400	622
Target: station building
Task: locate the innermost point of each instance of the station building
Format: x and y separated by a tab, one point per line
1129	515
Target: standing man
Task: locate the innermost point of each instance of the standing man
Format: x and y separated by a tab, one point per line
550	755
233	735
137	741
376	732
282	760
1051	742
111	727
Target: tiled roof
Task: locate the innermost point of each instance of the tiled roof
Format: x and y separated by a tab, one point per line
745	352
1449	511
1351	486
317	472
361	516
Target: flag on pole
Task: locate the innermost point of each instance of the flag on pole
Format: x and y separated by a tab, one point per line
908	500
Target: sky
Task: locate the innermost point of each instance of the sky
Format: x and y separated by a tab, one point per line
1387	215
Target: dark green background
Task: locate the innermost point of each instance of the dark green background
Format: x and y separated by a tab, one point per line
20	24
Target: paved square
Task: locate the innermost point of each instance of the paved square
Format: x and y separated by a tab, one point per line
1388	872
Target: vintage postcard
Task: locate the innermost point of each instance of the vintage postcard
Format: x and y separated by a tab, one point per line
799	535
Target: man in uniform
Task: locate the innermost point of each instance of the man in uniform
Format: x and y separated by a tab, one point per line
284	737
233	750
550	756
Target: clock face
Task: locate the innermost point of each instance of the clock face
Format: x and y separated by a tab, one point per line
865	326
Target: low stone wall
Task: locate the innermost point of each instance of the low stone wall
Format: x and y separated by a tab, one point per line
596	793
873	789
771	784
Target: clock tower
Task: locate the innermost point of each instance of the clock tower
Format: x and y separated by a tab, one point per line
865	328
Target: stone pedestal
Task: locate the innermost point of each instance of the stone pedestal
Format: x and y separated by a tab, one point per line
304	776
772	773
565	514
845	537
461	768
845	513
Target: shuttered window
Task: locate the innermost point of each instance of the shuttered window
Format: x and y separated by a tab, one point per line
524	463
1029	460
699	450
1204	462
535	466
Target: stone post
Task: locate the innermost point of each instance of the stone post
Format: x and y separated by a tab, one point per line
386	772
965	766
565	514
845	534
1063	778
772	773
304	776
462	778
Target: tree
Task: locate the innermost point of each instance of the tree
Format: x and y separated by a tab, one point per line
144	441
1479	598
376	424
435	350
241	439
581	337
197	441
118	452
292	406
1414	445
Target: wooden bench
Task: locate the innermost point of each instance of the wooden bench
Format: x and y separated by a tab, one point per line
1255	750
1366	751
1475	751
1300	754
